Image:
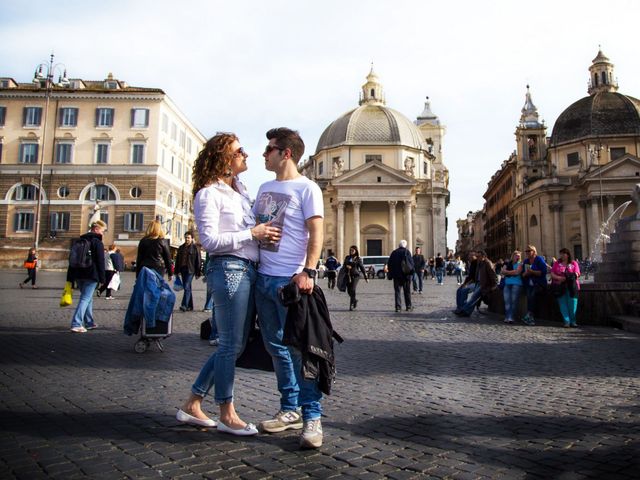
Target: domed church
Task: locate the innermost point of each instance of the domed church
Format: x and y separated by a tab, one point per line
572	183
382	178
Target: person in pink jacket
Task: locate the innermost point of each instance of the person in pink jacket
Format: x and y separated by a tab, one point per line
564	279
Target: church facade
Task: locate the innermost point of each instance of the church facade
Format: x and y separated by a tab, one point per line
382	178
570	188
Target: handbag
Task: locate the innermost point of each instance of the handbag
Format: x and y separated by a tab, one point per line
114	284
177	283
502	282
29	265
342	280
66	299
205	329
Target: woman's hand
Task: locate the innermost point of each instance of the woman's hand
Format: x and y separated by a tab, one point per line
266	232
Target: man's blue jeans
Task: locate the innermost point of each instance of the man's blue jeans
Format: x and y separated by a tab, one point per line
473	299
418	277
462	293
187	297
231	279
83	316
287	361
439	274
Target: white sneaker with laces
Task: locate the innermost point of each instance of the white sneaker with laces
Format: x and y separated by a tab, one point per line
311	434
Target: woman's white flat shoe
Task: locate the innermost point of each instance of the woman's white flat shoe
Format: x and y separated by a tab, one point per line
184	417
249	429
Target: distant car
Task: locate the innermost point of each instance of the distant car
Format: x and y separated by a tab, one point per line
377	262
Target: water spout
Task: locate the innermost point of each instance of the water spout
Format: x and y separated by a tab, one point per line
606	229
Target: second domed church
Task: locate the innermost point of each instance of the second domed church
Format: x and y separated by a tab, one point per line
382	177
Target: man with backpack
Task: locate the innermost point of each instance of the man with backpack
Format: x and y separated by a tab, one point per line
401	269
86	269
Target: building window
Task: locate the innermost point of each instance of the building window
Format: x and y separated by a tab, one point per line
573	159
68	117
64	152
135	192
25	192
165	123
320	168
189	144
178	230
102	153
23	221
139	117
104	117
372	158
101	192
137	153
59	221
31	116
63	191
183	139
174	131
3	115
28	153
617	152
133	222
533	222
425	168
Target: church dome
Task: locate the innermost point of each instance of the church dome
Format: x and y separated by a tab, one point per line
599	115
371	125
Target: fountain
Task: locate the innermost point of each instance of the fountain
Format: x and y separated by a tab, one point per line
614	296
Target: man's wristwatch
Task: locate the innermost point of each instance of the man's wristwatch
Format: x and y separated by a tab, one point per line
310	271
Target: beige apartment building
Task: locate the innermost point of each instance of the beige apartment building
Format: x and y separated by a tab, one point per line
382	178
88	148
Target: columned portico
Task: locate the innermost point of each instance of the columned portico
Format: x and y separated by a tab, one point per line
584	232
594	227
557	233
356	224
392	223
340	230
408	224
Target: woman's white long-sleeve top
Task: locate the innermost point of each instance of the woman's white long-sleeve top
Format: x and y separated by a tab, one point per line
224	219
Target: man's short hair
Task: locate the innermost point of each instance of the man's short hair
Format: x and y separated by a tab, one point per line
481	253
188	232
403	243
99	223
287	138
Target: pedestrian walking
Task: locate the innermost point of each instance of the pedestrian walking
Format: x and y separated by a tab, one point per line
332	264
400	270
439	264
295	203
419	264
188	264
354	266
31	264
86	269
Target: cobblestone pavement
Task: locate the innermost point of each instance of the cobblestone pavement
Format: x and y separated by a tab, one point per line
419	395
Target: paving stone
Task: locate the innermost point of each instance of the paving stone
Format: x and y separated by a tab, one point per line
419	395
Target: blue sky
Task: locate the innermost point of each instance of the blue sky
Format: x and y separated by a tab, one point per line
247	66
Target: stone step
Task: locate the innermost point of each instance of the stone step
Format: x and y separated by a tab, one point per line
628	323
604	277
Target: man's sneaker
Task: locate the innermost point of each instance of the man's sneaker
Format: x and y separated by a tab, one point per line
311	434
282	421
92	327
78	330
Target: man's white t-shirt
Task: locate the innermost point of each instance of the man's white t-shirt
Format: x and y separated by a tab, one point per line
287	204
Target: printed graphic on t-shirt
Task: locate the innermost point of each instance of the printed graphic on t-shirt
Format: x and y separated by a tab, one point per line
272	206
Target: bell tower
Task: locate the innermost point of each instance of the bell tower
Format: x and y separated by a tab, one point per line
601	75
372	93
531	140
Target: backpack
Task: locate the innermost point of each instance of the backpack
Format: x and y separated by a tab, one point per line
331	263
80	254
405	266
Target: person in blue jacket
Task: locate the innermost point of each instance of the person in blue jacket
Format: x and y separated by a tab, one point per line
535	281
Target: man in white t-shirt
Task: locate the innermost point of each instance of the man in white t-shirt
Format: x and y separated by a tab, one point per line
293	203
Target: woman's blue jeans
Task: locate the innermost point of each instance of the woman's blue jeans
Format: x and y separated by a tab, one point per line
511	294
568	306
83	316
294	389
231	280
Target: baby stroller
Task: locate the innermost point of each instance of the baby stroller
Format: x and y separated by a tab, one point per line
150	310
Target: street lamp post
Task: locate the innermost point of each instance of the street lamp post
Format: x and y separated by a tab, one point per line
47	95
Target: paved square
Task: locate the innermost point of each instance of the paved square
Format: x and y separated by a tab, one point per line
419	395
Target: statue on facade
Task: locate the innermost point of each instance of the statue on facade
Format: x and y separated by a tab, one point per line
409	165
338	165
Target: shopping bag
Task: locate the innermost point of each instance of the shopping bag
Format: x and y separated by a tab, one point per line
177	283
66	299
114	284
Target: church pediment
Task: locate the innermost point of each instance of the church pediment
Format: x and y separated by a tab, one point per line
625	167
374	173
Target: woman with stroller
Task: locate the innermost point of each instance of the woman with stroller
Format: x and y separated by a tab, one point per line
353	264
228	232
